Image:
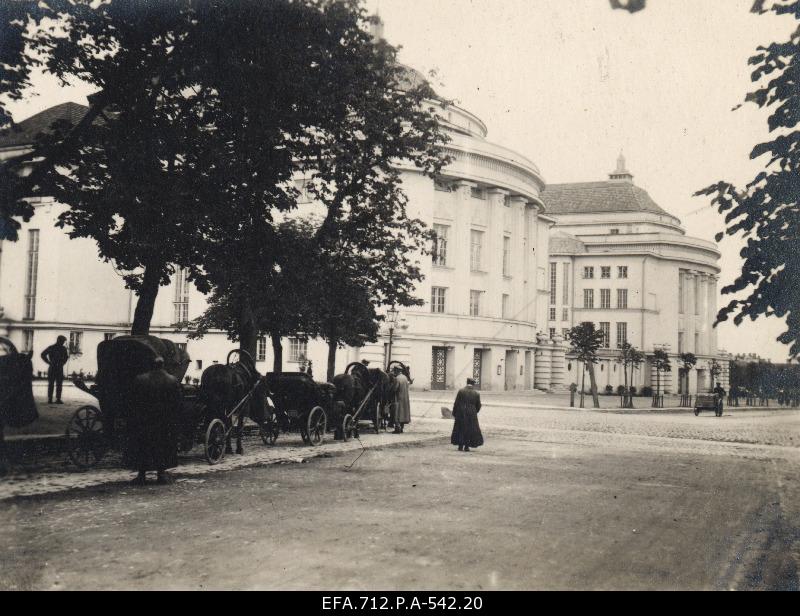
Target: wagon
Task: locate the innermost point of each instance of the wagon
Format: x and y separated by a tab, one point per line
302	405
94	431
708	402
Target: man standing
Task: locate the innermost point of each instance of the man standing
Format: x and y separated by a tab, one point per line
55	356
402	404
720	397
466	430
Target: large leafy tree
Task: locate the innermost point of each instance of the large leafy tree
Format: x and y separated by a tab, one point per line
765	212
631	358
205	111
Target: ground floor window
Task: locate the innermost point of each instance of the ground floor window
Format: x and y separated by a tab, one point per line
261	349
298	349
27	341
108	336
75	343
622	334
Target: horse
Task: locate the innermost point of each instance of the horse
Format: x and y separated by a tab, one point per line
224	386
17	407
356	382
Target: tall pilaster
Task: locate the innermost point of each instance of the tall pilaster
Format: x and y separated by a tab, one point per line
558	365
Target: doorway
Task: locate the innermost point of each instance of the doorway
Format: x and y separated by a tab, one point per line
477	367
439	368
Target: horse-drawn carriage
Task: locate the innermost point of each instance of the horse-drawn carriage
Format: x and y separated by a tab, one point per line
305	406
708	402
122	362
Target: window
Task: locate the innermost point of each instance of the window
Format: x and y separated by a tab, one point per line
681	342
475	303
76	343
614	231
697	344
552	333
442	186
605	272
622	271
438	299
588	272
32	274
552	313
476	243
261	348
477	193
565	290
605	298
506	306
605	329
622	298
553	294
565	314
181	303
564	332
440	245
108	336
27	341
506	256
588	298
622	334
181	345
298	349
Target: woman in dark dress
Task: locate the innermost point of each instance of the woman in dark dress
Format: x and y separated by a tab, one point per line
467	430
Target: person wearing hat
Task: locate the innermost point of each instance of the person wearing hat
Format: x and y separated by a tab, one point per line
55	356
466	429
402	406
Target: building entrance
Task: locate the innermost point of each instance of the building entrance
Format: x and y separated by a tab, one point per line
439	368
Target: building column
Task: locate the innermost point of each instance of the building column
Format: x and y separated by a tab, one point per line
558	365
542	371
712	314
458	293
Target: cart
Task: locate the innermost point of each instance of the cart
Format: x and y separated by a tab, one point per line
708	402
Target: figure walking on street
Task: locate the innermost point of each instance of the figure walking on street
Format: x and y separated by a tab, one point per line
402	406
467	430
55	356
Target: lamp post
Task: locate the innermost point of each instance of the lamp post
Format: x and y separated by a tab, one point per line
391	316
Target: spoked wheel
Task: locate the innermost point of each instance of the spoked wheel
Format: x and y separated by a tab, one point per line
268	431
348	427
215	441
316	426
86	440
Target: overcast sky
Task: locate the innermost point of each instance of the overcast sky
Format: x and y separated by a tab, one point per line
570	83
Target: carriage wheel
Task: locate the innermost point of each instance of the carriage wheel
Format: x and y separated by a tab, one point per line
269	431
317	425
348	429
86	440
215	441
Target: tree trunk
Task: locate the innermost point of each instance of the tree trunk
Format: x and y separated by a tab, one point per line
147	300
593	384
583	381
625	391
277	352
332	346
248	332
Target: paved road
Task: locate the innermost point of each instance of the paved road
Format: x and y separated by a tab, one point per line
556	500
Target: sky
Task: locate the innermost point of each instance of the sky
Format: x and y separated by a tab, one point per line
571	83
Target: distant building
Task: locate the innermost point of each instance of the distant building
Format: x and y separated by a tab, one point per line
621	261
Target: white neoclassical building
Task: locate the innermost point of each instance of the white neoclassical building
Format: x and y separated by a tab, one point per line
620	261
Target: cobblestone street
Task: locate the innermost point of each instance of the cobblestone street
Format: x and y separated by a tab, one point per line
556	499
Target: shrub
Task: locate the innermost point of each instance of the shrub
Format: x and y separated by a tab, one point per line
621	390
632	389
609	390
647	391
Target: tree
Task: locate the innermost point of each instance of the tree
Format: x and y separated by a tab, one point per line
214	107
687	361
629	356
586	341
766	211
660	361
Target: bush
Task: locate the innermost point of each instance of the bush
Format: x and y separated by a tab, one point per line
609	390
647	391
621	390
573	387
632	389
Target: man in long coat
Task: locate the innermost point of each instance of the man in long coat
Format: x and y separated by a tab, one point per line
402	410
467	430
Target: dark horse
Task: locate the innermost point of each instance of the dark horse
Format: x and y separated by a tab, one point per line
354	385
224	387
17	407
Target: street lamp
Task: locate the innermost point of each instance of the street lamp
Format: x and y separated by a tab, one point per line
391	317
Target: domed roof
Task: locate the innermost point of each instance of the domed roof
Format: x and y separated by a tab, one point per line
409	78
